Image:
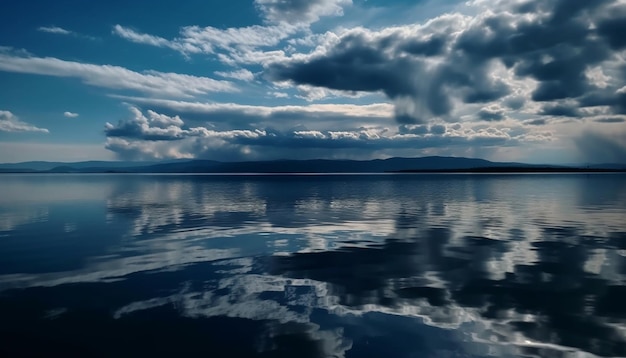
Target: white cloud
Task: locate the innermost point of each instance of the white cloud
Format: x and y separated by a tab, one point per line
279	94
300	11
70	114
354	111
284	18
116	77
61	31
211	40
55	30
311	93
134	36
242	74
10	123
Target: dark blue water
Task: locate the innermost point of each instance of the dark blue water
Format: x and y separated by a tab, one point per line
313	266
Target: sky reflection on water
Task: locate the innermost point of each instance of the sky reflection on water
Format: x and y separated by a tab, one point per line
313	266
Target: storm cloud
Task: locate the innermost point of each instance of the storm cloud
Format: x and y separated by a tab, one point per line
429	70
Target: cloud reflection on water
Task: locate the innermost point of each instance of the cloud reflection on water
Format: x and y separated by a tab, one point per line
515	265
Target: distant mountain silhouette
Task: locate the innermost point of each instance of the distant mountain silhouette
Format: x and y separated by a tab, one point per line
423	164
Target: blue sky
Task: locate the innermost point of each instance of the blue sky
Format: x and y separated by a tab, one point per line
520	80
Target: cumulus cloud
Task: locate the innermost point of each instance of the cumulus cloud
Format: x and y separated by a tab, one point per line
10	123
161	136
70	114
405	63
430	70
116	77
491	113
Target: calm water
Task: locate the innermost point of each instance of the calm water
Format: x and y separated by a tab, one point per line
313	266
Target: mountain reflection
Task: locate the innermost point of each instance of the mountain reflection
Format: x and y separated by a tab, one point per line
316	266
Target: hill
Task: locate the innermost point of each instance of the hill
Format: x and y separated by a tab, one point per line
423	164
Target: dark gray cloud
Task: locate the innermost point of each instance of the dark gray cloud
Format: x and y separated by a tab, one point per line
427	69
613	27
398	66
610	120
602	148
536	122
433	46
515	102
492	113
438	129
561	110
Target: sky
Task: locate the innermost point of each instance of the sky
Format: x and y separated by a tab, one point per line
508	80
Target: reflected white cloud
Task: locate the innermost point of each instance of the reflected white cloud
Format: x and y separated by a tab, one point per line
467	255
21	215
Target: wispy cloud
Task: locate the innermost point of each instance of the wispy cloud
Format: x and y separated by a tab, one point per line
312	116
70	114
55	30
242	75
61	31
116	77
211	40
146	39
282	20
10	123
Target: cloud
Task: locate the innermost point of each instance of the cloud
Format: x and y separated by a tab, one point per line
10	123
300	11
562	110
602	148
161	136
491	113
234	41
55	30
432	70
242	74
536	122
398	62
70	114
233	115
154	127
116	77
610	120
61	31
237	45
137	37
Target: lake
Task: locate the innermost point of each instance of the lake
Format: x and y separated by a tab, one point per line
427	265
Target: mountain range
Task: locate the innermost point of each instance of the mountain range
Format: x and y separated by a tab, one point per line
422	164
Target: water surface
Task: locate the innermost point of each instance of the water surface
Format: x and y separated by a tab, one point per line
313	265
